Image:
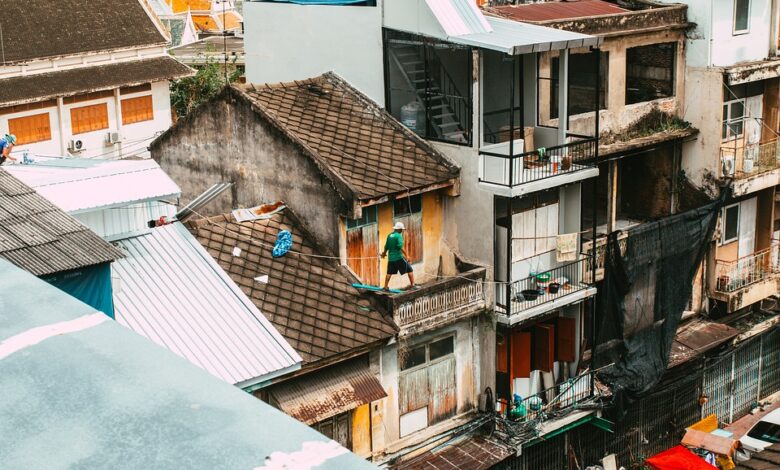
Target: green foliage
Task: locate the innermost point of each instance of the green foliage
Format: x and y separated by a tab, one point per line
189	92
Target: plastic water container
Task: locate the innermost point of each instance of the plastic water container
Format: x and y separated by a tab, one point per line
412	116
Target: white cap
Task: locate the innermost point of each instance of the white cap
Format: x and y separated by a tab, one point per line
399	226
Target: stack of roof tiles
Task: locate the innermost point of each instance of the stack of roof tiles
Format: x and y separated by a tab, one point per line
308	297
351	136
41	238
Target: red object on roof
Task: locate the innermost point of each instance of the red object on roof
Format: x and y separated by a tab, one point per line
678	458
558	10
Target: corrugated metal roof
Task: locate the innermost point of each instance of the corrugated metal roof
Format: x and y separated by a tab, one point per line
104	397
513	37
459	17
697	337
171	291
77	185
467	453
328	392
558	10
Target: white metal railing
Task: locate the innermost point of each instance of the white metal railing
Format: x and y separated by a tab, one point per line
735	275
749	159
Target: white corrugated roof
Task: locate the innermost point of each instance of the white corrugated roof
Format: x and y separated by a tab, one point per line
458	17
76	185
171	291
513	37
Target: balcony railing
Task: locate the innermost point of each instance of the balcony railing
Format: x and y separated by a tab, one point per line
567	394
600	258
538	289
735	275
503	168
750	159
439	302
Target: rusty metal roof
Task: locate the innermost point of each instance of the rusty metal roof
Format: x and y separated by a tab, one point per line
472	453
328	392
697	337
550	11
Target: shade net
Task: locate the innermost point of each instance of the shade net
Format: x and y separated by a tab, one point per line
644	293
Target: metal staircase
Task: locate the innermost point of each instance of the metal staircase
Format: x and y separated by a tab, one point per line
446	108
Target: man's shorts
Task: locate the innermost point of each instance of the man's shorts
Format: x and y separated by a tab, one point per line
401	266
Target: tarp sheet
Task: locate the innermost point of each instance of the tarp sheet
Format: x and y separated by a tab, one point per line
91	285
678	458
643	296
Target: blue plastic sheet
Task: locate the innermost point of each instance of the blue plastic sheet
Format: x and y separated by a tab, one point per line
91	285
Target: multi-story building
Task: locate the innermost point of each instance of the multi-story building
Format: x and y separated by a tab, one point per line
732	89
95	85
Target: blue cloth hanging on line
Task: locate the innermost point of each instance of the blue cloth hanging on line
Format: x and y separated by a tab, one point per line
283	244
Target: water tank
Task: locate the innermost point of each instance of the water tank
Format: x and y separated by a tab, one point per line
413	116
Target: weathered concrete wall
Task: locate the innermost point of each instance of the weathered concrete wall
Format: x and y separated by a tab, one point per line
644	175
227	141
635	21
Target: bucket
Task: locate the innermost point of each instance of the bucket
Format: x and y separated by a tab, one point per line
556	163
553	287
542	281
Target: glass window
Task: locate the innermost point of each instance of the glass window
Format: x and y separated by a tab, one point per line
413	358
582	83
650	72
730	224
428	86
741	16
368	218
442	348
733	116
407	205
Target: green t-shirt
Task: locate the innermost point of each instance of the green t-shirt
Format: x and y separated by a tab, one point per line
393	246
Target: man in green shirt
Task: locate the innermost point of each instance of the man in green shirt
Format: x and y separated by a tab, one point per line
396	256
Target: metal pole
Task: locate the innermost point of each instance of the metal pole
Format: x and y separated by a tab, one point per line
593	322
512	122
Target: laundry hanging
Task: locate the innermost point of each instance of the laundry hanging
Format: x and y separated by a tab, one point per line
283	244
566	247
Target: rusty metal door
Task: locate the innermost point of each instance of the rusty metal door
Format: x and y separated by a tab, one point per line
443	397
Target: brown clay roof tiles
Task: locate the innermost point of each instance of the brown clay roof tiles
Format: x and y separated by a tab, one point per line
310	300
351	136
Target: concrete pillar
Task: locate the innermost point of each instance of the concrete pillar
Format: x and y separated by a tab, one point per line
118	113
61	125
563	95
612	196
530	76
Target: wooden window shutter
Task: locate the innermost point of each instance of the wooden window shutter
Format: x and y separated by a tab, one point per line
89	118
363	253
30	129
413	236
567	339
137	110
521	354
544	347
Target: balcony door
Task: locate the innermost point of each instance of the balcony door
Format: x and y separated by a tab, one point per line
747	227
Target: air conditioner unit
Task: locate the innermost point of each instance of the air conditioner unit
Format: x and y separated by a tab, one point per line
728	165
75	145
113	137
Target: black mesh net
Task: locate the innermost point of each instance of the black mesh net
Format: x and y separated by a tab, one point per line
644	293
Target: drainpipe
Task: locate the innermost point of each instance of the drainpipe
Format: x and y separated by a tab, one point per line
118	112
61	125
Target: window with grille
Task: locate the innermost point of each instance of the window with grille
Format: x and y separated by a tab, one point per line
137	110
89	118
30	129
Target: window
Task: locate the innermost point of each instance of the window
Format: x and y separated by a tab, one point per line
650	72
363	246
338	428
741	16
30	129
733	116
89	118
137	110
730	229
426	385
408	210
582	83
428	86
534	224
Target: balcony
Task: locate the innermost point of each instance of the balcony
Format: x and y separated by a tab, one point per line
600	258
509	173
747	280
753	166
439	303
543	292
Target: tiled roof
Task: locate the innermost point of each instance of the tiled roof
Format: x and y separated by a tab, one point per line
309	300
549	11
37	29
351	136
767	459
39	237
39	87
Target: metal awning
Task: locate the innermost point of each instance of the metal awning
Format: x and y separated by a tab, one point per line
469	453
515	38
326	393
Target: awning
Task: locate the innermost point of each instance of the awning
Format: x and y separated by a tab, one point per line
328	392
752	71
44	86
514	38
678	458
471	453
697	337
